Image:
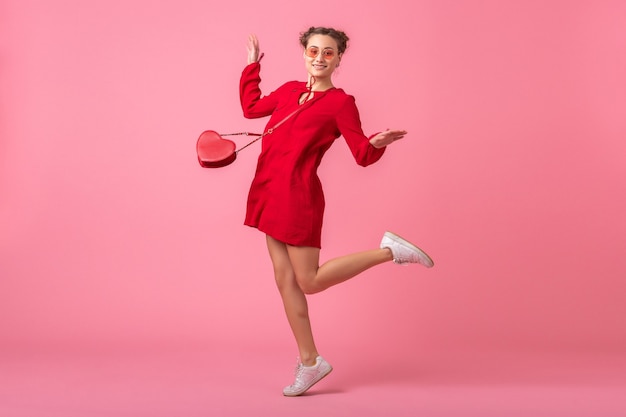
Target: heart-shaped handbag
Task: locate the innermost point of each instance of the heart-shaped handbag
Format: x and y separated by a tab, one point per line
214	151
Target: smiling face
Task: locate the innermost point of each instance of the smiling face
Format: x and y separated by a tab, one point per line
321	57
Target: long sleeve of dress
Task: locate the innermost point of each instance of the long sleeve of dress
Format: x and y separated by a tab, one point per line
252	103
349	124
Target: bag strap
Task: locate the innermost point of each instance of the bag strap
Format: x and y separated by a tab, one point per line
271	130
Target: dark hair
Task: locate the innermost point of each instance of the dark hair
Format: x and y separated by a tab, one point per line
340	37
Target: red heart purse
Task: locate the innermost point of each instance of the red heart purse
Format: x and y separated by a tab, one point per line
214	151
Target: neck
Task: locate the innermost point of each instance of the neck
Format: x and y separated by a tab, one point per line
319	84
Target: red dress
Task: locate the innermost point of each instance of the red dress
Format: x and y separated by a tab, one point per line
286	200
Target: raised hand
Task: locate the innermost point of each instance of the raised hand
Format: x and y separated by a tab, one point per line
253	49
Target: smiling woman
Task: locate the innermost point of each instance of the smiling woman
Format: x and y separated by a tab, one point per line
286	201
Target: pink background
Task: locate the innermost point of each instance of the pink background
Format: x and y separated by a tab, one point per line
512	178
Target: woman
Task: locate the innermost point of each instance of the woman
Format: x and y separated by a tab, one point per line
286	200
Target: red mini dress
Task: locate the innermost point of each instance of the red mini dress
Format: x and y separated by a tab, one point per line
286	200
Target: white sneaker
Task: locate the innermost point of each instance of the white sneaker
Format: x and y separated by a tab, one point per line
307	376
404	252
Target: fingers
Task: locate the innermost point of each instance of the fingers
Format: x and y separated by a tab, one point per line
396	132
394	135
387	137
253	42
253	49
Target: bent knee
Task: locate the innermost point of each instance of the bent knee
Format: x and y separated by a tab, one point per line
308	285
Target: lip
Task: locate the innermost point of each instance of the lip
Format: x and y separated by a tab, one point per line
319	66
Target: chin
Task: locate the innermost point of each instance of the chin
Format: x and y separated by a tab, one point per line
321	73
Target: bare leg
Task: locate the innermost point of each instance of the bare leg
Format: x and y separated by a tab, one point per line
313	278
294	301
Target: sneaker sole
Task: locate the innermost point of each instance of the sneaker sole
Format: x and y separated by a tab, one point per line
296	394
429	262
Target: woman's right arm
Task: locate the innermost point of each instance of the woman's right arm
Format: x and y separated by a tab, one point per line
252	104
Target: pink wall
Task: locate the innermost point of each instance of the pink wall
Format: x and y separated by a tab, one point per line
512	176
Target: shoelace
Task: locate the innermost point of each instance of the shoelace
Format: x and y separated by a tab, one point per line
297	373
